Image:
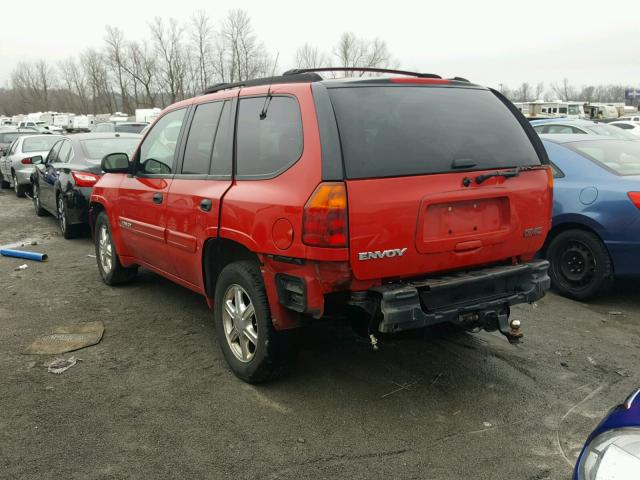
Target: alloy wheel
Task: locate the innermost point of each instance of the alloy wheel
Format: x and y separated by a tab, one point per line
15	184
240	323
36	197
105	249
61	215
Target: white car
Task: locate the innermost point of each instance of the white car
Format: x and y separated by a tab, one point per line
40	126
630	118
631	127
16	166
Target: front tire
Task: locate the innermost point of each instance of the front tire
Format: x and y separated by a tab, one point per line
580	265
111	270
68	230
254	350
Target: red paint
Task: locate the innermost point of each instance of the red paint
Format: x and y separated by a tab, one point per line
635	198
84	179
282	233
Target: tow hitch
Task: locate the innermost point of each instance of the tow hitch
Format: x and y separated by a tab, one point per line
491	321
510	329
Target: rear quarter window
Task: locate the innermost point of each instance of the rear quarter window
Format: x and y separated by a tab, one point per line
267	146
390	131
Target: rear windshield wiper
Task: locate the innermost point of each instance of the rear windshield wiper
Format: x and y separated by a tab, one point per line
504	173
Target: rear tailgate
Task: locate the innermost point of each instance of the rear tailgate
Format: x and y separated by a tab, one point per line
412	157
409	226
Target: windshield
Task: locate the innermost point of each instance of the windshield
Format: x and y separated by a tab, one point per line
131	127
8	137
611	131
619	156
574	110
97	148
398	131
41	143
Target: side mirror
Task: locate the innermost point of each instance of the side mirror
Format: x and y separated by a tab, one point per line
116	163
37	160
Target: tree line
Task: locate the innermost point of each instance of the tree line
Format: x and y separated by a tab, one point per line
178	61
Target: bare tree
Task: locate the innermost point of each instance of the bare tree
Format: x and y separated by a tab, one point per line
523	94
564	90
95	72
167	39
238	54
141	66
353	52
202	37
308	56
115	51
75	84
539	92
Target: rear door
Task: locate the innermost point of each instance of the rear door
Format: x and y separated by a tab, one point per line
193	202
49	174
417	201
142	199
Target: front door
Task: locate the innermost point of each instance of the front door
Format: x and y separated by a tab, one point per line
143	197
196	192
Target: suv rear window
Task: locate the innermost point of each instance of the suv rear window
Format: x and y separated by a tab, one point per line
390	131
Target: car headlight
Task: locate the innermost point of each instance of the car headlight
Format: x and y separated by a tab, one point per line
613	455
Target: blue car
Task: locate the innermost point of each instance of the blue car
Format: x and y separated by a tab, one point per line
595	234
612	451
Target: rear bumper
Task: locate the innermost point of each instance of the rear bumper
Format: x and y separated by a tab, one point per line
477	298
78	205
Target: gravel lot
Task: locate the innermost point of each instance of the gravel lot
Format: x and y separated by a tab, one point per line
154	399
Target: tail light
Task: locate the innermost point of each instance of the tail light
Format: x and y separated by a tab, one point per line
635	198
85	179
26	161
324	221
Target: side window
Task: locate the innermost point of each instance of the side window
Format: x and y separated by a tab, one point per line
53	154
539	128
222	158
559	129
13	147
157	152
197	153
267	146
65	149
557	173
577	130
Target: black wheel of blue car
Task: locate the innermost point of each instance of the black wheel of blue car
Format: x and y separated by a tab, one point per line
580	265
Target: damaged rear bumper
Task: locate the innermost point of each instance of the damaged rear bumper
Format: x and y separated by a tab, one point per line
478	298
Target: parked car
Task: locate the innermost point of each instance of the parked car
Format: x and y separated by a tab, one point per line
16	165
40	127
596	213
628	126
7	136
394	206
124	127
566	126
630	118
612	451
63	181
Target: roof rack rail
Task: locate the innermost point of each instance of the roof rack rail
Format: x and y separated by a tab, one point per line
303	77
298	71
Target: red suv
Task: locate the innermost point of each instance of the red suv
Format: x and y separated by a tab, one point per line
411	200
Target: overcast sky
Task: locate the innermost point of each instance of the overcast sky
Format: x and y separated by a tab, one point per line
490	42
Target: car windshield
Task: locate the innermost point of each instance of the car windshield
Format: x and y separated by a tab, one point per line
611	131
619	156
397	131
97	148
8	137
574	110
131	127
41	143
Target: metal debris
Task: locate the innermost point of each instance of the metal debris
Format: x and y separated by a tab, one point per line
60	365
24	266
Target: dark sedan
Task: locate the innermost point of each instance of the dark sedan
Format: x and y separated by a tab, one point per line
62	182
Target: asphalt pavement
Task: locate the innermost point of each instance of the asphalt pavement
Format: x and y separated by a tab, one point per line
155	399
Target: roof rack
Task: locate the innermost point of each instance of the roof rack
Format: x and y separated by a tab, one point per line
303	77
298	71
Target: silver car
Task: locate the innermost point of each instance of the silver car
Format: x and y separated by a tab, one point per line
16	166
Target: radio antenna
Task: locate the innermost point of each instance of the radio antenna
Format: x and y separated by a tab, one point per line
267	100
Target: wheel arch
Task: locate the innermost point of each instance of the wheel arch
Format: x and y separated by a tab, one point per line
573	222
217	253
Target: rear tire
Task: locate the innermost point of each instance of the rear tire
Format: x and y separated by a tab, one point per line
20	190
68	230
111	270
254	350
580	265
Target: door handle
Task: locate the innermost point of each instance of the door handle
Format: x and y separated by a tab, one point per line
206	204
157	198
